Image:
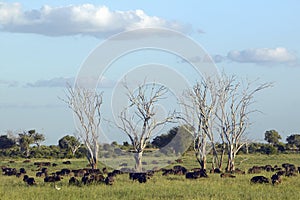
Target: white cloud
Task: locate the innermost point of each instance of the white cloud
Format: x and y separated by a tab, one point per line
86	19
55	82
62	82
277	55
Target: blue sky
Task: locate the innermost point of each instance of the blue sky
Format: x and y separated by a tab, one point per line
44	43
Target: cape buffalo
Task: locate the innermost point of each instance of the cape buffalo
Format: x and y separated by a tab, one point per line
259	179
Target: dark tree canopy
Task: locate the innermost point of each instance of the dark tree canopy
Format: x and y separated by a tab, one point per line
178	140
69	143
272	137
28	138
294	140
5	142
164	139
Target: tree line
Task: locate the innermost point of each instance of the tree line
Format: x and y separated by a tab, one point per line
28	145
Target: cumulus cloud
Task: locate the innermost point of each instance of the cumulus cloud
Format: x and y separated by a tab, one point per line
62	82
277	55
85	19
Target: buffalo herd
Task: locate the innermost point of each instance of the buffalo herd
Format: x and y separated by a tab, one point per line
86	176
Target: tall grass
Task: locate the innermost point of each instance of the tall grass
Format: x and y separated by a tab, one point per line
159	187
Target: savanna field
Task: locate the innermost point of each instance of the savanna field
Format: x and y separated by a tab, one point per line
158	187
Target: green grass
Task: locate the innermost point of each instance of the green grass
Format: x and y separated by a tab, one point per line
159	187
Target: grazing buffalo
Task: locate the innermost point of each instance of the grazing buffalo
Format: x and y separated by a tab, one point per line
92	178
276	179
140	176
54	164
259	179
9	171
67	162
269	168
226	175
29	180
39	174
255	170
116	171
196	174
110	179
280	173
179	170
74	181
215	171
64	172
41	164
53	178
290	169
79	172
22	170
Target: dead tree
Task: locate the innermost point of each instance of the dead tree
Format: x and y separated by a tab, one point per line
86	105
139	120
234	109
199	107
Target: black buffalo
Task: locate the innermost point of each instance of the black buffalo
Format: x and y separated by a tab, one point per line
74	181
259	179
29	180
141	177
196	174
276	179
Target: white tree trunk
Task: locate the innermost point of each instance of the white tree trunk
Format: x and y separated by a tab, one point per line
138	161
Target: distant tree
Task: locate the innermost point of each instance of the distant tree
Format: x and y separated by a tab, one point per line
38	138
164	139
272	137
69	143
268	149
126	144
294	140
114	143
27	138
177	140
6	142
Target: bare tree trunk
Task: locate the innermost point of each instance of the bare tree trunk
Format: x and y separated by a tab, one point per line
222	156
231	156
27	152
215	159
138	161
96	152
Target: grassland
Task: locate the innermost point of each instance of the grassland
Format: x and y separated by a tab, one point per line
159	187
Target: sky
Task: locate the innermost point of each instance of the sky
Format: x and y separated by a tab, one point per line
43	45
